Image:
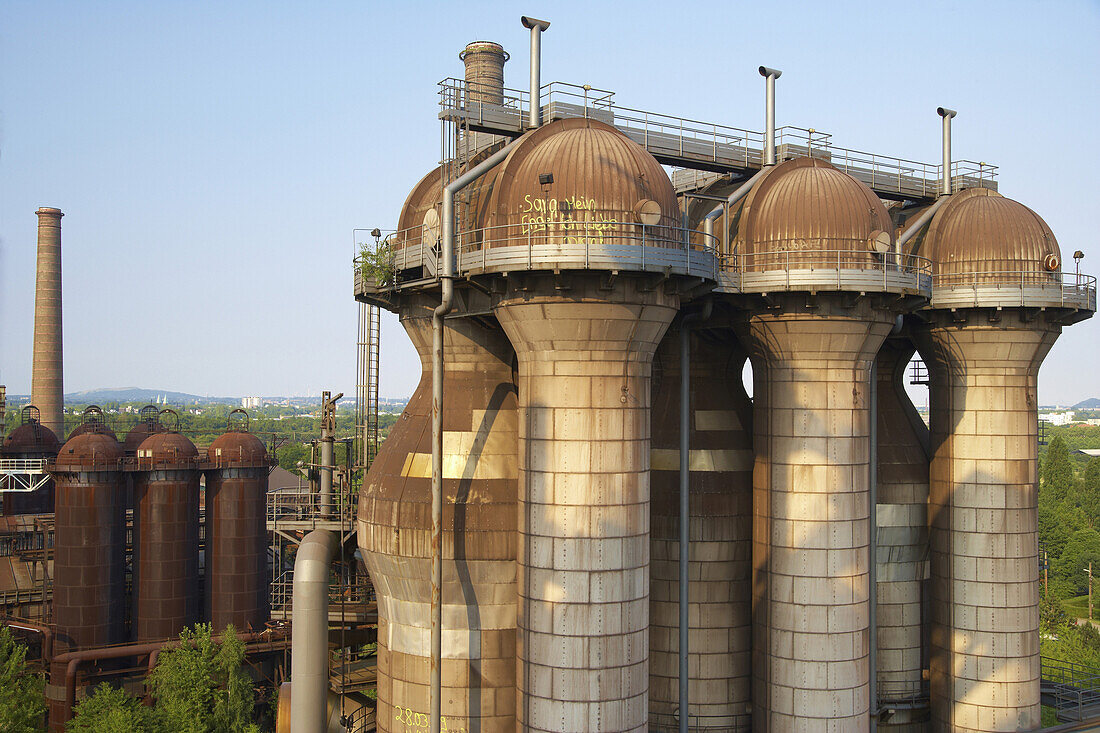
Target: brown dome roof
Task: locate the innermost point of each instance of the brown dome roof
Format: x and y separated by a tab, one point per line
237	448
139	433
92	426
89	449
808	205
598	174
32	437
980	231
167	447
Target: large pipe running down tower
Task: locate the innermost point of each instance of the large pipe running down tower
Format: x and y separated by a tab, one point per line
445	306
534	111
47	382
309	642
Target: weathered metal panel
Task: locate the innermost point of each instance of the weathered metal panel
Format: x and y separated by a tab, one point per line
479	537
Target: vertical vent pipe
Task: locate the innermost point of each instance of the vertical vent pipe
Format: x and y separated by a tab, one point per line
446	304
945	177
770	75
534	112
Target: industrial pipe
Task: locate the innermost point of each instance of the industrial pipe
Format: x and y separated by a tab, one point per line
309	647
740	193
922	220
770	75
328	438
945	179
255	642
534	112
43	629
872	570
685	504
446	304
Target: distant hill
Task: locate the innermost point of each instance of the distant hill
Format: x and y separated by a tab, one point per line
1092	403
135	394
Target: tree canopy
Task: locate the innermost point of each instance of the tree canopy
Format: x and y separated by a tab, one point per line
22	693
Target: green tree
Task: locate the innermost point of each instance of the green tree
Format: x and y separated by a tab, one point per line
1057	469
1082	548
22	694
109	710
199	686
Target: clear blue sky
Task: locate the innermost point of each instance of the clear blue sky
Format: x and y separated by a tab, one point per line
213	158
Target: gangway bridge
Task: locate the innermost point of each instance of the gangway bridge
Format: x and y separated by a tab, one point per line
708	152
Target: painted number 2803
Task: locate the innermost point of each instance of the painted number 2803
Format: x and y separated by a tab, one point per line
409	717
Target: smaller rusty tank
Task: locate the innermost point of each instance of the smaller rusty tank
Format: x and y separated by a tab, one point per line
166	537
31	440
237	577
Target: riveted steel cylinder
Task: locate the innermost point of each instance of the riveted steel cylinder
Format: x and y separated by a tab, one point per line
166	537
811	507
983	508
584	365
479	535
238	581
901	547
720	565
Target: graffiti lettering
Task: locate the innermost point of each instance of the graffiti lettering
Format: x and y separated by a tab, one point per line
409	719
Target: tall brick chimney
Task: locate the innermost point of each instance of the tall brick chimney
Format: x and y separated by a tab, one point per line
47	385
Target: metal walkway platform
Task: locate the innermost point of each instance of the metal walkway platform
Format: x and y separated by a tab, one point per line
700	146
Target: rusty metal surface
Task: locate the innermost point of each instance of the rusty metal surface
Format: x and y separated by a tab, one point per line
720	568
30	440
166	537
598	174
479	537
89	544
807	205
237	577
147	425
47	371
980	231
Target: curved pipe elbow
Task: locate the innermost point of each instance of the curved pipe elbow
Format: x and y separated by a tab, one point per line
766	71
534	23
945	112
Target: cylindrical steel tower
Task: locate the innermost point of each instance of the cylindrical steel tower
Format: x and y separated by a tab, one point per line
47	382
998	304
166	537
810	238
89	554
585	343
901	546
720	566
479	537
31	439
238	581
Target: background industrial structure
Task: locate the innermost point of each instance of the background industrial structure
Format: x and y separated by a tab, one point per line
582	521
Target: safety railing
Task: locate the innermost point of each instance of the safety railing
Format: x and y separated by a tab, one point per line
1029	288
906	694
282	594
1072	689
567	238
683	141
736	722
304	505
827	269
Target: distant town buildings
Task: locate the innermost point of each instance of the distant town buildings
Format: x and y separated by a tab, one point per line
252	403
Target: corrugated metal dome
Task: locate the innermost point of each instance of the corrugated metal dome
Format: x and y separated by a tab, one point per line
575	172
167	446
980	231
426	195
237	448
32	437
807	205
93	426
90	447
